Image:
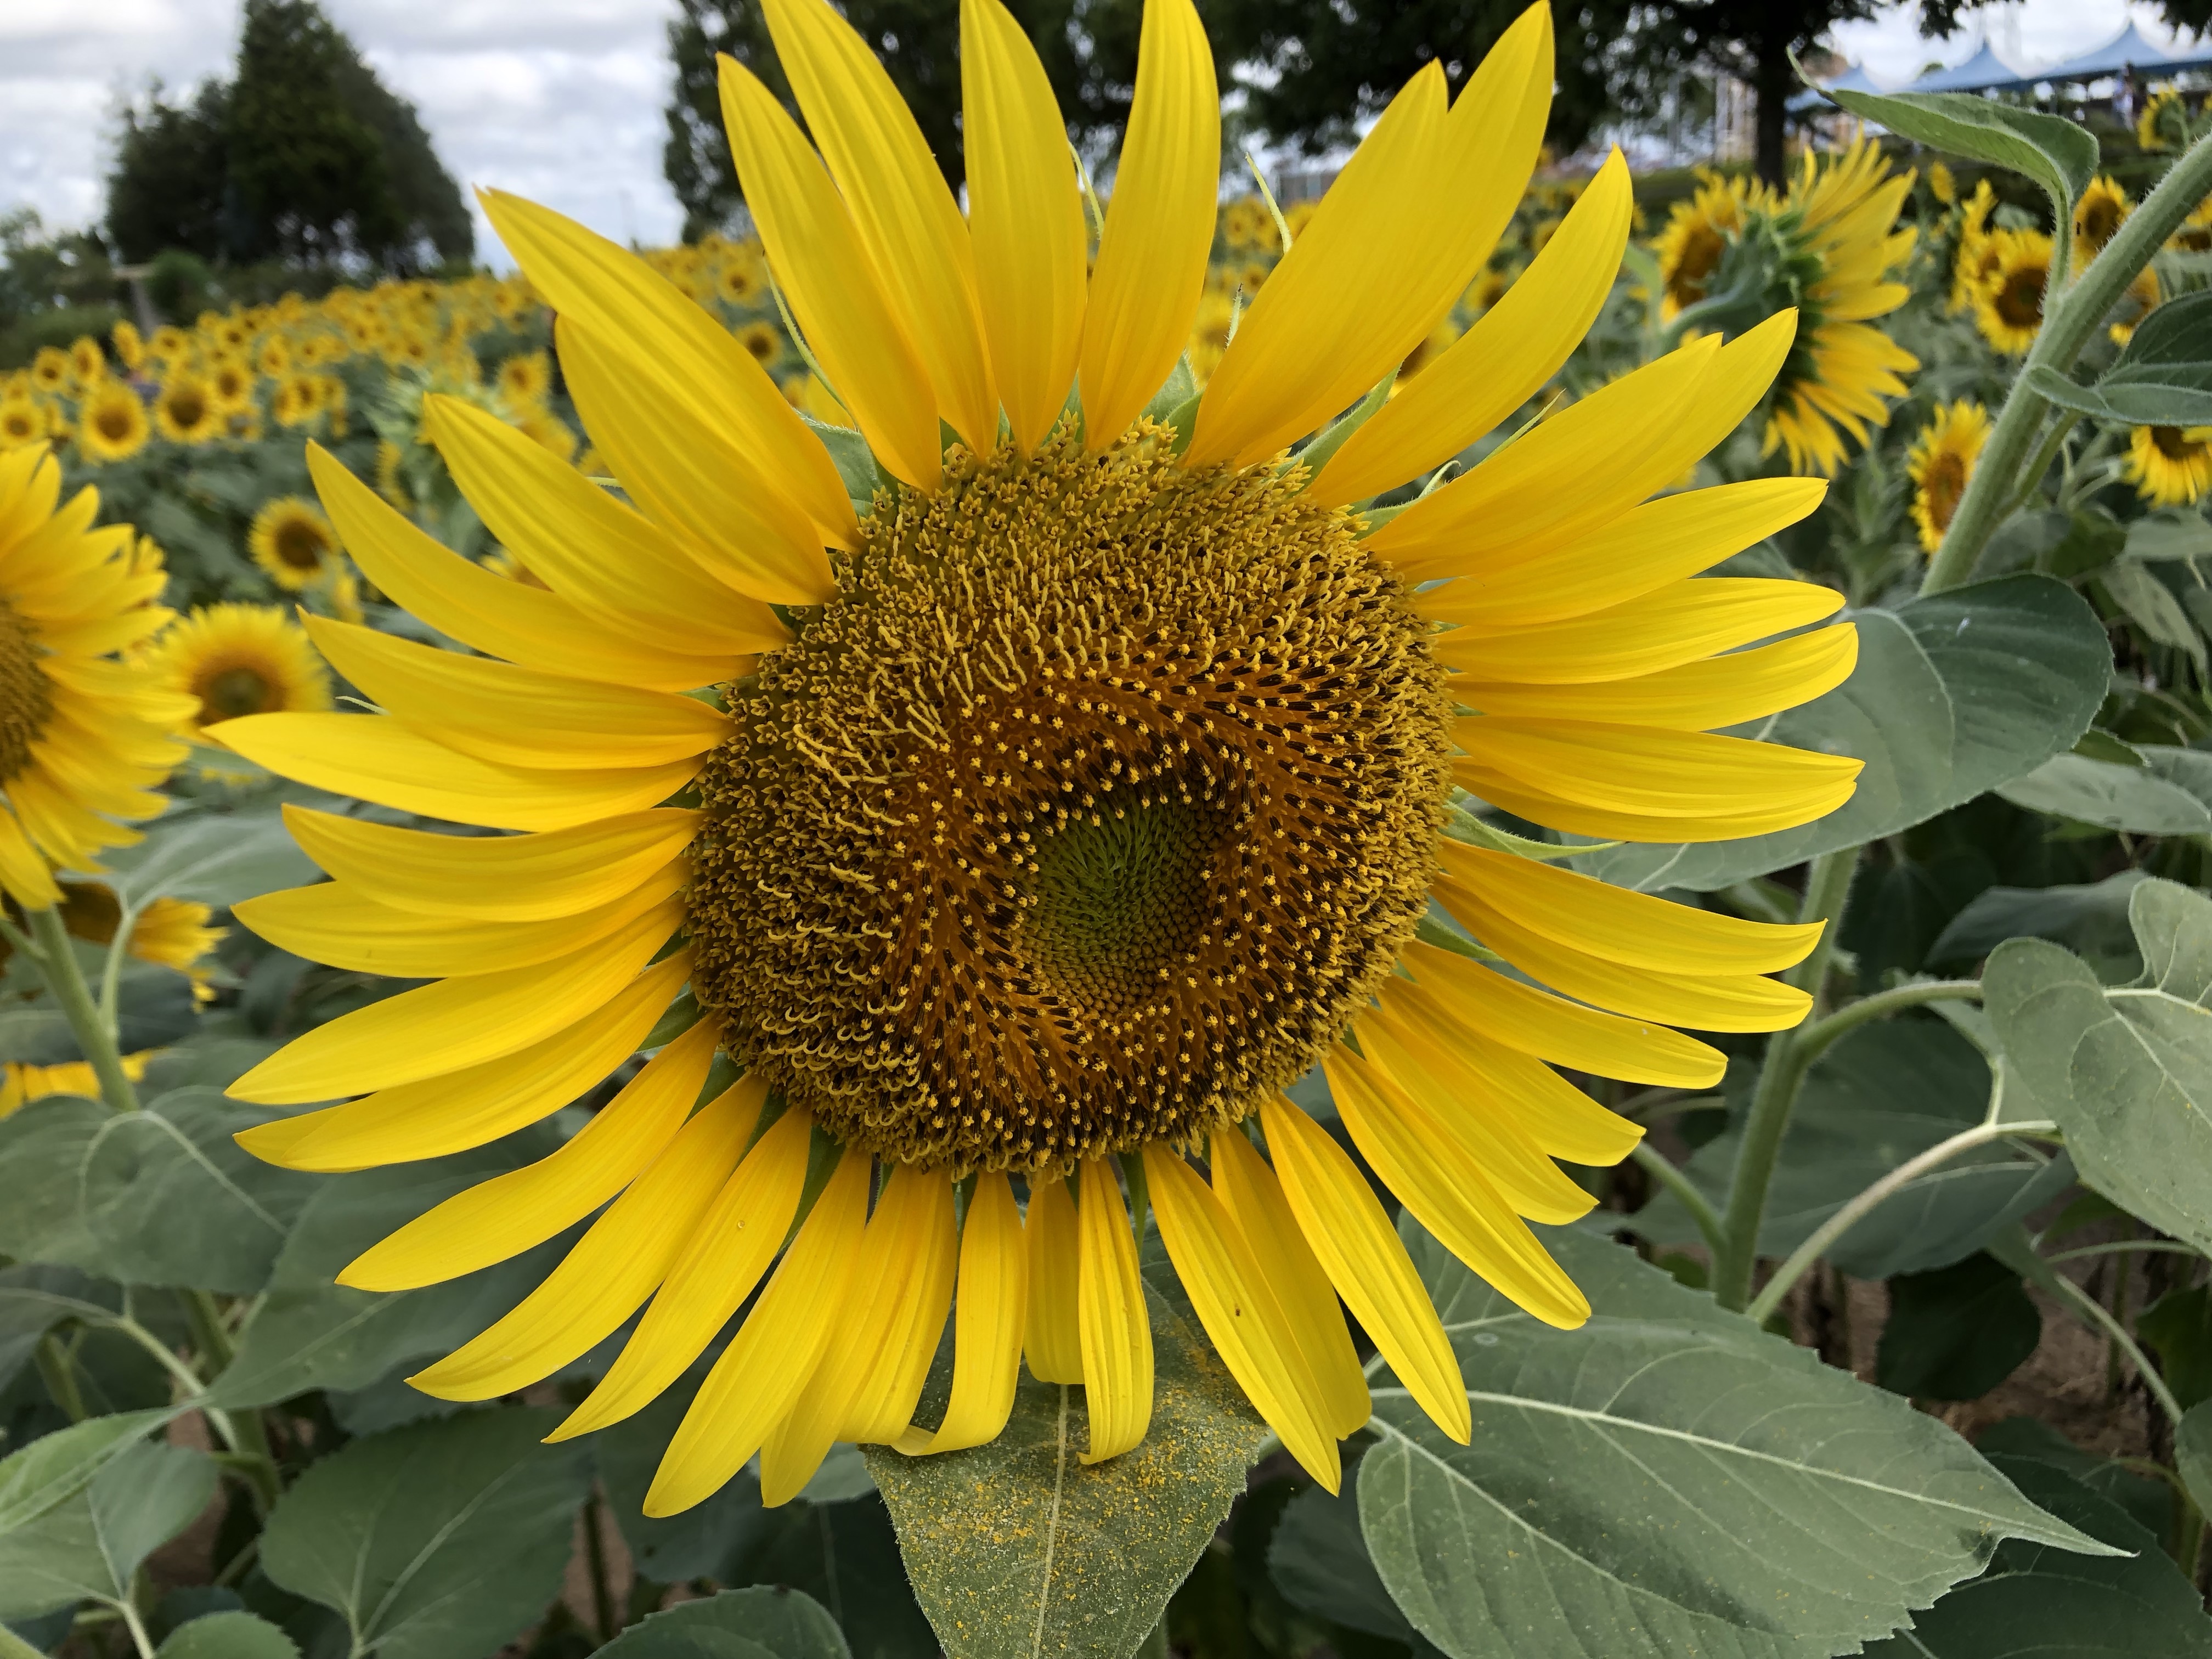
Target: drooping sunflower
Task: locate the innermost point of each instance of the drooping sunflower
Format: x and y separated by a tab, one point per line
111	423
130	345
84	736
1097	784
170	932
232	659
185	410
1697	235
2164	122
2170	466
293	542
2009	303
2103	208
1977	253
1941	463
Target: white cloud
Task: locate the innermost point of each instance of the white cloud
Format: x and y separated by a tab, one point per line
2028	34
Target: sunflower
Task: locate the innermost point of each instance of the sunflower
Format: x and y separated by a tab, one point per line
526	377
233	660
2170	466
2103	208
1095	787
2164	122
130	345
1941	186
763	342
21	422
1697	235
88	363
2195	236
185	410
298	400
169	933
21	1083
1976	256
84	737
292	540
49	369
740	281
1941	462
111	423
2009	303
230	382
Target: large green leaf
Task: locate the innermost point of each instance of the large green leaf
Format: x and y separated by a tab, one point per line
436	1541
1318	1558
228	1636
216	859
2168	793
739	1623
1016	1548
1884	1094
1956	1332
1669	1479
89	1547
2036	1602
1955	694
161	1196
56	1467
2091	919
2055	153
2163	378
2126	1072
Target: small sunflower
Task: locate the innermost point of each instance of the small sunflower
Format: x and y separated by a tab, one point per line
1941	186
2164	122
130	345
88	363
526	377
2009	303
84	736
1697	233
1940	463
233	660
21	422
299	397
111	423
169	933
765	343
2170	466
185	410
21	1083
1096	786
293	542
230	382
741	283
2103	208
49	369
1976	254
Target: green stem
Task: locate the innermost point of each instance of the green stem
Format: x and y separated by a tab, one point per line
1858	1209
595	1547
139	1638
1827	885
2043	1273
57	964
2040	463
59	1372
2069	324
12	1646
2124	1247
1821	1035
1700	1207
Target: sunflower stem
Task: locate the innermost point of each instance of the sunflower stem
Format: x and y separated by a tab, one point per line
2069	323
1653	1163
56	964
1827	885
1822	1034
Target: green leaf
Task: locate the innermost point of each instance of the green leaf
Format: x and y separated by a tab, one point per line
1956	1332
215	859
1955	693
436	1541
35	1298
2127	1073
2092	920
89	1547
1017	1549
739	1623
1319	1560
2179	1328
309	1332
2035	1602
2193	1454
2169	794
2163	378
1885	1093
2151	606
228	1636
2170	533
161	1196
2056	153
55	1468
2147	1500
855	461
1669	1479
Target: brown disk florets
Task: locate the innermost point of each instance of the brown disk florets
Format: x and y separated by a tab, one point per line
1084	815
26	696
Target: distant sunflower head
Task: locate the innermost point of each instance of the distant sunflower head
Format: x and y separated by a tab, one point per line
2170	466
185	410
2195	236
1941	462
49	369
1941	186
1697	233
21	422
88	363
293	542
130	345
230	380
111	423
526	377
763	342
2008	302
233	660
740	280
2103	208
2164	122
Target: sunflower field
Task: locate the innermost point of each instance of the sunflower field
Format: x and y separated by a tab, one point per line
1468	918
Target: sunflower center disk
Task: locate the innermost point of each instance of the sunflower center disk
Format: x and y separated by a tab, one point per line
229	693
1083	817
26	697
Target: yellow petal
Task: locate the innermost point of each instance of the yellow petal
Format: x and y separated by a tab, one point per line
1502	361
1692	697
1582	1039
560	872
1231	1295
1440	1182
457	1022
1586	914
523	624
690	357
477	1104
1026	217
1360	1251
612	1268
753	1386
1643	550
901	205
381	759
1254	1200
22	871
510	1214
732	1247
988	1320
1052	1341
1117	1330
1159	225
615	564
334	924
1678	623
830	281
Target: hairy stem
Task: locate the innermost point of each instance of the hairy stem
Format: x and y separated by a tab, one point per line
1818	1036
56	965
1700	1207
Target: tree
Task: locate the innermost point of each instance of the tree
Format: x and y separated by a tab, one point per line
166	190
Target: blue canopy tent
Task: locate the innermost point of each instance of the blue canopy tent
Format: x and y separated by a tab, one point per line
2130	46
1853	79
1984	72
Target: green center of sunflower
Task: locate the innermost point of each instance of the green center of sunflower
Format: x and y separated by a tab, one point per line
228	693
26	696
1083	815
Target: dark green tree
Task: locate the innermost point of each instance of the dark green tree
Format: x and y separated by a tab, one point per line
166	188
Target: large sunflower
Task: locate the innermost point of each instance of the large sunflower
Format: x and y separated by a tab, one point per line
1697	235
84	737
1061	800
233	660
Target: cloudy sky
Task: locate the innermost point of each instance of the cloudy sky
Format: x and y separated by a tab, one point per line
561	100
